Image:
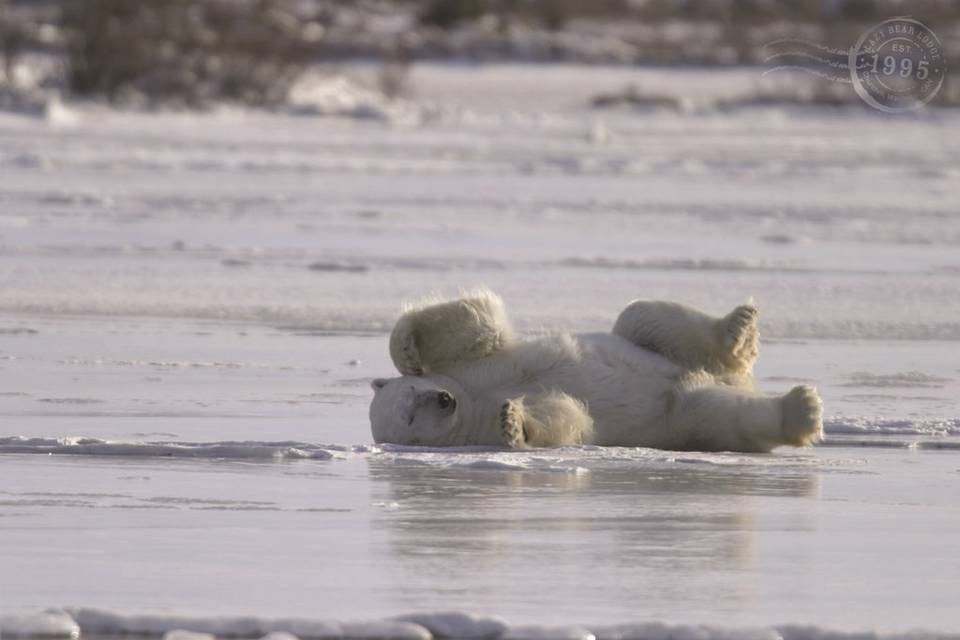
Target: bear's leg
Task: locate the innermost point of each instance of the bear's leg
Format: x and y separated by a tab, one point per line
719	418
802	416
551	419
691	338
429	337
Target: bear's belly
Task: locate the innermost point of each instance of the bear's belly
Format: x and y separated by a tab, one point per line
626	388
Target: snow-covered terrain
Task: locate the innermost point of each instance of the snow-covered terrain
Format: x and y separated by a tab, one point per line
193	305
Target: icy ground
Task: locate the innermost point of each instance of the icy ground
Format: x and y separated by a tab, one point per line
192	308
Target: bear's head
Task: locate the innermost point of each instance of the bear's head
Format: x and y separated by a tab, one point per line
430	410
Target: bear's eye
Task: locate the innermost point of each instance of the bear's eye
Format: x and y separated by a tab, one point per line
444	399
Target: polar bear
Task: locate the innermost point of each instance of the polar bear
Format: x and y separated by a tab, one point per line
668	376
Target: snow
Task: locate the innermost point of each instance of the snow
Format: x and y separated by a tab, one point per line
97	447
548	633
457	624
180	634
46	624
460	625
180	628
337	95
194	305
665	632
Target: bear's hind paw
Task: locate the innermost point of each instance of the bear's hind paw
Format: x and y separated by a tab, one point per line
405	354
511	424
740	336
802	416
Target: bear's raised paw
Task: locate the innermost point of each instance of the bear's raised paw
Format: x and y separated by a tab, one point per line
802	416
741	337
511	424
404	350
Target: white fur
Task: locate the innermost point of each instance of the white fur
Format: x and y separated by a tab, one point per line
668	376
433	334
725	347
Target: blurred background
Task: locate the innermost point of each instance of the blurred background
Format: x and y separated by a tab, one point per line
308	165
211	212
177	52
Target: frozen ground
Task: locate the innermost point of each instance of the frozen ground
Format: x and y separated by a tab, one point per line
194	305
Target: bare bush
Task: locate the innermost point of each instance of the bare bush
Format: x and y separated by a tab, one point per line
631	96
393	79
551	14
182	50
447	14
12	40
814	91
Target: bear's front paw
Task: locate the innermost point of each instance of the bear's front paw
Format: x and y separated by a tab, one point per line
511	424
802	416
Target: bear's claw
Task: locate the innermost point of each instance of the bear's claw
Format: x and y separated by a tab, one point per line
802	416
511	424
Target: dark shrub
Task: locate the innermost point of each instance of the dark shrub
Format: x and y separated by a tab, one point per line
12	40
181	50
449	13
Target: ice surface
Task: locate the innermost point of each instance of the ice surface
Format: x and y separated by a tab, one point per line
716	539
194	304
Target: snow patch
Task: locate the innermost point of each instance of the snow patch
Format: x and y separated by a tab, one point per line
318	95
911	379
657	631
793	632
97	622
46	624
548	633
227	450
279	635
70	623
572	461
455	624
181	634
886	426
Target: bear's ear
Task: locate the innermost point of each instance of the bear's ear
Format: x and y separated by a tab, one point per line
378	383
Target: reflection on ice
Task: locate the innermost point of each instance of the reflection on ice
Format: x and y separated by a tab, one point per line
659	523
617	534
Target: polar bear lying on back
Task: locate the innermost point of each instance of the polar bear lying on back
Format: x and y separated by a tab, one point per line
668	376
